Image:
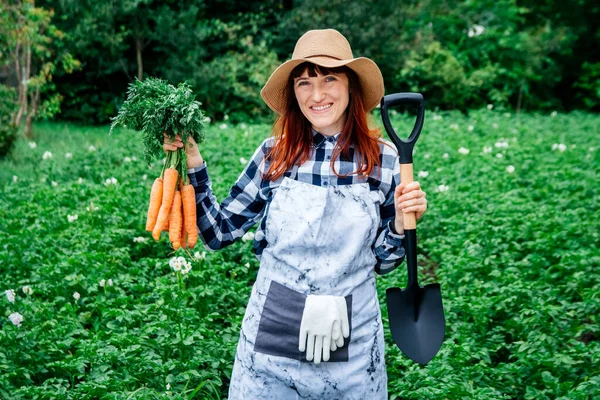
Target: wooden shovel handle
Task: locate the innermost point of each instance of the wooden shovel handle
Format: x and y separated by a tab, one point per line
406	177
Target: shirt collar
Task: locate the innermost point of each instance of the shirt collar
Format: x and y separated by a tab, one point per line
319	139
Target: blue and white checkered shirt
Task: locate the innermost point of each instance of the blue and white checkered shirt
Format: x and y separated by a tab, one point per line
249	199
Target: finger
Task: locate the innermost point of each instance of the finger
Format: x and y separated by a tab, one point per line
326	347
310	348
411	203
333	345
345	325
336	331
340	342
415	209
302	339
318	349
414	194
398	190
412	186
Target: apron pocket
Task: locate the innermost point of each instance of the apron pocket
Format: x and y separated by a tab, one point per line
279	326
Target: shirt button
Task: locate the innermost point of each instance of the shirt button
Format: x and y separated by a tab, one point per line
328	158
325	183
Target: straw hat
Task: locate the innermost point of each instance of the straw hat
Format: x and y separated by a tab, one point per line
327	48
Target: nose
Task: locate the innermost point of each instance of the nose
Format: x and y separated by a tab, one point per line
318	93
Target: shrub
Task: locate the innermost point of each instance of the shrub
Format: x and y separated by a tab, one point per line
8	130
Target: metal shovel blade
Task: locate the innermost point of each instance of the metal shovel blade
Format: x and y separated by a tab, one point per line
417	320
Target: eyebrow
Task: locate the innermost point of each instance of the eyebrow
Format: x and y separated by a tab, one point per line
305	78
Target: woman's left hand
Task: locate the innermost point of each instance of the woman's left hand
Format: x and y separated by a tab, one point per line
408	199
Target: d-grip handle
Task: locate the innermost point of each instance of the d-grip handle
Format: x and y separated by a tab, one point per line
405	147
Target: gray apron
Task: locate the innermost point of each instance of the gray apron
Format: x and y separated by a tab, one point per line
319	242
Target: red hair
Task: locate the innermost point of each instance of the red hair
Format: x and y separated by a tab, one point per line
293	132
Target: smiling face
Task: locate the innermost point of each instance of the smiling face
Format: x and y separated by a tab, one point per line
323	99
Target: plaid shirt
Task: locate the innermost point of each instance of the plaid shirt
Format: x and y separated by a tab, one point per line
249	199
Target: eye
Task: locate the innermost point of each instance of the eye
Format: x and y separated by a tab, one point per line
302	83
330	78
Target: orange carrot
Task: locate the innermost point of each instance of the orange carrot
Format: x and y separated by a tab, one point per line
175	221
188	197
183	235
169	185
155	200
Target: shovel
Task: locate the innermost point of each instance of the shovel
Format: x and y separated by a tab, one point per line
415	313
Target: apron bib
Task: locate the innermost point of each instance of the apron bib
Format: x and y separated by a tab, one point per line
319	242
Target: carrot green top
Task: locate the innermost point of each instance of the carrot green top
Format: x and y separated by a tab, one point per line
154	107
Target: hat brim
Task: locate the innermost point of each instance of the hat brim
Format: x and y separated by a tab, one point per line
369	75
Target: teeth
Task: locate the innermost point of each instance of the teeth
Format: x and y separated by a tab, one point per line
321	108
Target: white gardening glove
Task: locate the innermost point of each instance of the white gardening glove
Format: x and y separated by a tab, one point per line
340	330
320	315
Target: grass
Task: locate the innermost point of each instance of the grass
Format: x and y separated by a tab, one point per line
516	254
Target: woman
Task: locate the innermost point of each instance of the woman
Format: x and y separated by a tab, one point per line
325	189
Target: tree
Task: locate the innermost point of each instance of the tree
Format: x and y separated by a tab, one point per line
35	52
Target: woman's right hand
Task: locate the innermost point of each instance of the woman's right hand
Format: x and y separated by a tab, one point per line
194	159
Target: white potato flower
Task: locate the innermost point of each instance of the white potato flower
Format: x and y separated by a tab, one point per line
463	150
445	155
72	218
437	117
127	160
499	155
490	106
76	296
487	149
223	126
559	146
47	155
470	128
243	161
475	30
199	256
68	155
27	290
102	283
510	169
16	318
140	239
554	114
10	295
442	188
15	178
243	126
32	145
423	174
54	183
186	268
80	181
248	236
92	148
454	127
109	282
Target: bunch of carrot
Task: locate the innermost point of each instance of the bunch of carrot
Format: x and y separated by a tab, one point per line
173	207
159	109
